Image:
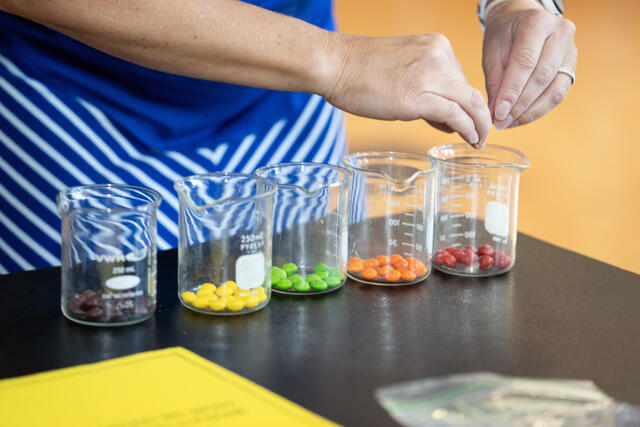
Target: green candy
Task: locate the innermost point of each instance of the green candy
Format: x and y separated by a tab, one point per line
334	272
321	267
302	286
290	268
277	274
284	284
319	285
323	274
334	281
295	278
312	278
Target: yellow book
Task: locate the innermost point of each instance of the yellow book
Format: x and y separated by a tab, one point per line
162	388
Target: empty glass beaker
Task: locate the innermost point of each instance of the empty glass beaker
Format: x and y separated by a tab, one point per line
477	208
108	253
224	251
391	212
310	227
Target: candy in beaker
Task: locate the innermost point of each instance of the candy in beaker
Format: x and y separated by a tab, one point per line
310	227
390	217
224	253
477	208
108	253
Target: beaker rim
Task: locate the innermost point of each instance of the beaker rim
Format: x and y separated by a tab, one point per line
434	153
156	197
269	184
392	154
341	181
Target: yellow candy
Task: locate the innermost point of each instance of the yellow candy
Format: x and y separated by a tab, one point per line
224	290
208	286
262	296
211	297
203	292
200	302
188	297
231	284
217	305
235	304
251	301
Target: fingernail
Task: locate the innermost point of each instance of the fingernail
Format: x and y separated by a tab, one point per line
514	124
474	138
505	123
504	107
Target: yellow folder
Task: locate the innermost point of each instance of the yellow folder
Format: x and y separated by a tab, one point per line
162	388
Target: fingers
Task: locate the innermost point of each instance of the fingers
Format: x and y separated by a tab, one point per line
524	57
449	114
552	57
472	102
553	95
493	66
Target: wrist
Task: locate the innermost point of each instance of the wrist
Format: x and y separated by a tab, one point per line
334	53
497	8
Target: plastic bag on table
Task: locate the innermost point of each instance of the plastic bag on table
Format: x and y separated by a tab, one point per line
486	399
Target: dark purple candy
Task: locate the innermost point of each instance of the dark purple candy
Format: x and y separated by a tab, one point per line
95	313
91	302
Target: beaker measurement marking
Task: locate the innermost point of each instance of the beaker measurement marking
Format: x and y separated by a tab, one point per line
409	205
457	186
408	224
408	244
411	214
456	206
456	225
456	235
407	254
408	234
456	215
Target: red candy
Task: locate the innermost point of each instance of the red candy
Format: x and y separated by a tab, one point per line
486	262
467	257
449	260
438	258
485	250
502	261
485	255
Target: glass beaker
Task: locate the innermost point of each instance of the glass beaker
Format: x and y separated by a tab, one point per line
108	253
224	251
310	227
477	208
391	212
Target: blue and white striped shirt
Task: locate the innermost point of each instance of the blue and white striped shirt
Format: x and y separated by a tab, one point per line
71	115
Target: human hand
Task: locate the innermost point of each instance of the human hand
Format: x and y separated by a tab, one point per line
406	78
523	49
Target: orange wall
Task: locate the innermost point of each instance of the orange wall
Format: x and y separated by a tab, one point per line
583	189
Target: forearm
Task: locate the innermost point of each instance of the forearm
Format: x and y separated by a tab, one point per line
221	40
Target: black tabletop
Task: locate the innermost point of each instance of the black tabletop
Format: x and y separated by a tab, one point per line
557	314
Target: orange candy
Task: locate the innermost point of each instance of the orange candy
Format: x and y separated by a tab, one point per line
408	275
369	273
388	268
356	266
401	265
382	271
393	276
420	268
395	258
372	263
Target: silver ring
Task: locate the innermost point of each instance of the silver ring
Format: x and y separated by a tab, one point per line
569	72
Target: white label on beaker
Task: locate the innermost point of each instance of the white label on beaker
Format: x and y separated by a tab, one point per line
496	218
250	271
121	283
